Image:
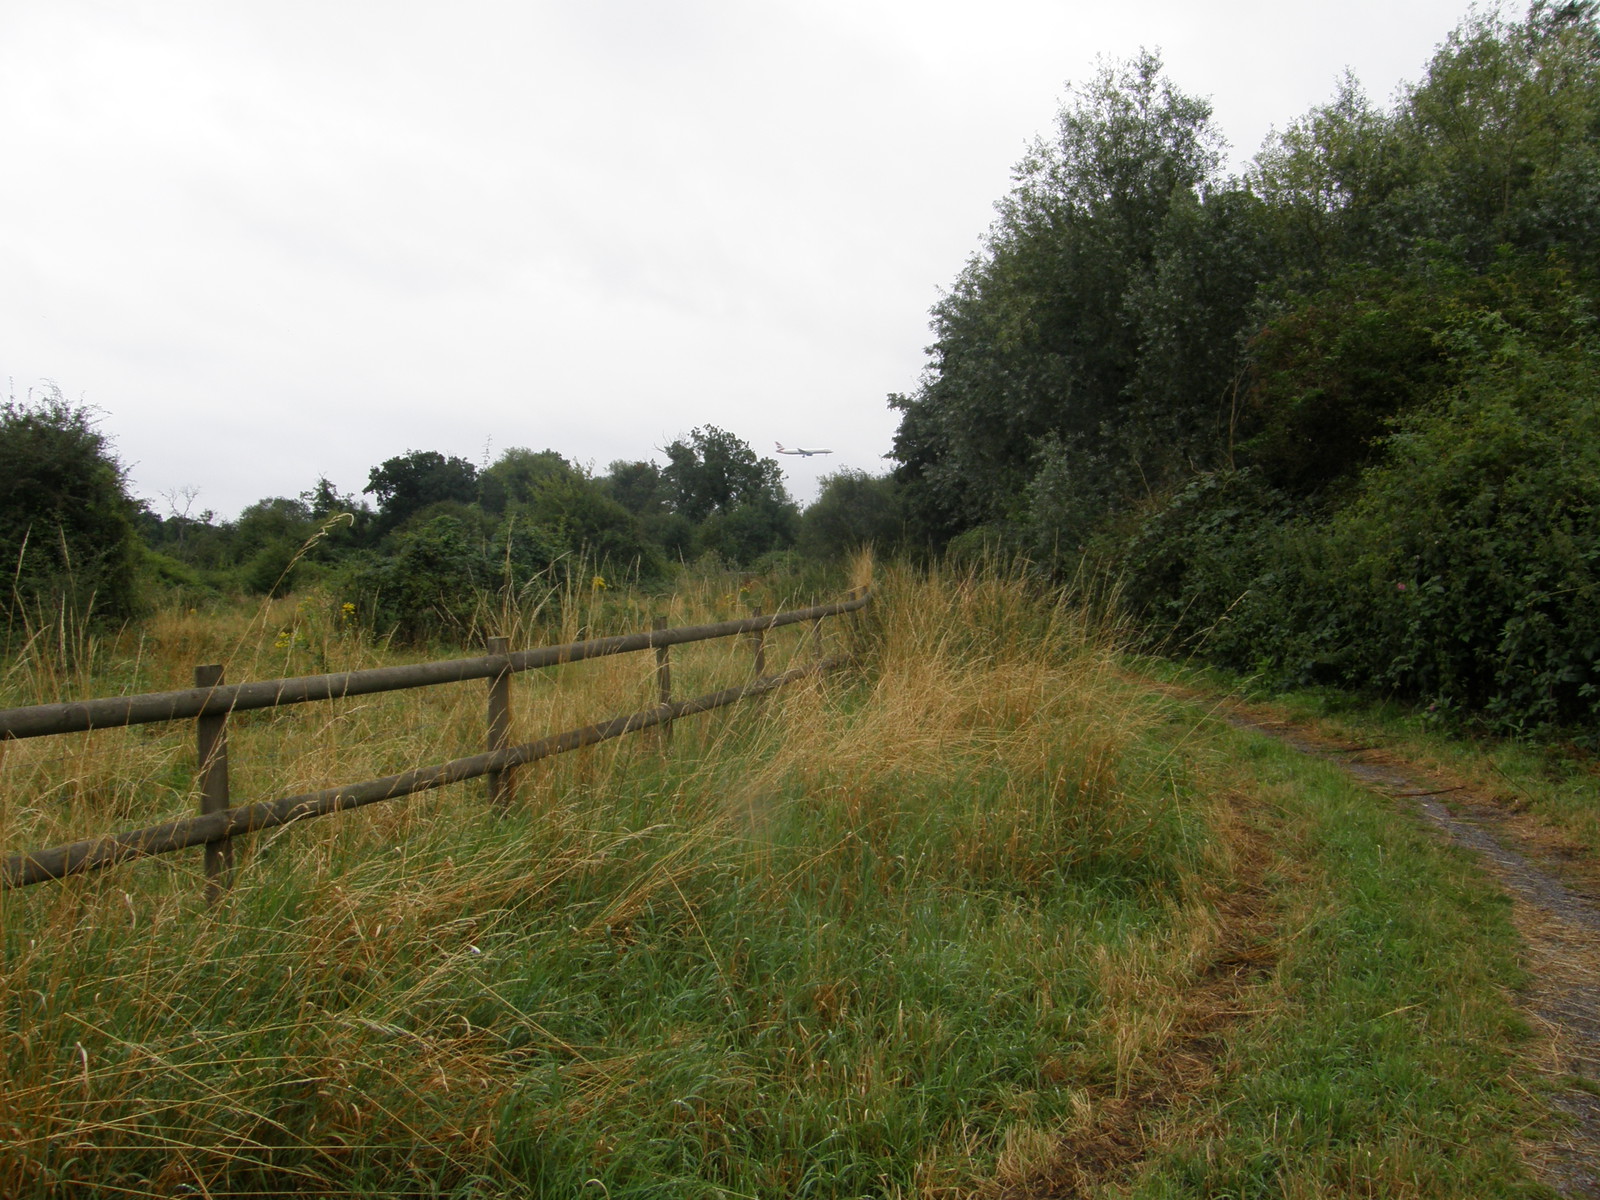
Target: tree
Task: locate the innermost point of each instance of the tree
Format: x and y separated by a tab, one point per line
573	515
1074	325
1328	184
1504	131
409	483
268	539
748	530
853	510
714	472
66	521
635	485
518	474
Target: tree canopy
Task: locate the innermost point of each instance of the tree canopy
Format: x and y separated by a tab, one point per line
66	520
407	484
1219	386
712	471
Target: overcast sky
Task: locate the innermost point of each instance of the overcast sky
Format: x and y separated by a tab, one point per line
277	241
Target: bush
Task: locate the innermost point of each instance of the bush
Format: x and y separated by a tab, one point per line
67	536
1462	572
429	586
745	532
1476	546
993	545
1197	569
853	511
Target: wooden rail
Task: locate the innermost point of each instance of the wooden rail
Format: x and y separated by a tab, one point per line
210	702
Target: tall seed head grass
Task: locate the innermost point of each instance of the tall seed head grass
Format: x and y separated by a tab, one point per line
867	912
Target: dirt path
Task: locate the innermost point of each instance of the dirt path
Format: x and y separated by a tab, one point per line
1557	914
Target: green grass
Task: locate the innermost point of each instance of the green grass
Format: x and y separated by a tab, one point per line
908	933
1384	1064
848	941
1556	781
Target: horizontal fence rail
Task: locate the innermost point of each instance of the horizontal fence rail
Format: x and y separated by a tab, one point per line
44	720
216	826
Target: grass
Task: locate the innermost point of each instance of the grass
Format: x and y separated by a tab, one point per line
981	918
1554	783
1383	1063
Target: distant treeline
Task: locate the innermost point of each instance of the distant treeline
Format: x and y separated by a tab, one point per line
1334	420
422	545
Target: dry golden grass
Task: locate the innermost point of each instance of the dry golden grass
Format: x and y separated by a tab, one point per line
891	929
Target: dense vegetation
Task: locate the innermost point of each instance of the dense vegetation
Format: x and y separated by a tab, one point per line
1332	420
427	545
982	917
66	527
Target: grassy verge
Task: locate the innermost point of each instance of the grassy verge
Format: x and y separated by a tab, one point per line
1382	1059
866	938
1554	784
981	919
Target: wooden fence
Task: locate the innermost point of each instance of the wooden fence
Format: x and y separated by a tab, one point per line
211	700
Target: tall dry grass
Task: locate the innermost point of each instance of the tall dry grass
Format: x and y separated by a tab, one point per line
876	933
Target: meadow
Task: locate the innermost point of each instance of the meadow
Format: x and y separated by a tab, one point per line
977	916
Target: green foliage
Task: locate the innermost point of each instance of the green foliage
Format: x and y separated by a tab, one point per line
852	511
430	585
637	486
1331	370
416	479
66	522
517	475
1075	325
1462	571
1324	420
1477	545
573	515
1504	132
749	530
1208	568
673	533
712	471
735	500
268	538
1325	184
452	562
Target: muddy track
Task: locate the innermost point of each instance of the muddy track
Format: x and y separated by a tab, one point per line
1557	914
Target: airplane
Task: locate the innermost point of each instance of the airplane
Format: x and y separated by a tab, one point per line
782	449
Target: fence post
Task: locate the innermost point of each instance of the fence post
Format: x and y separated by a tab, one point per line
500	785
663	679
211	747
759	639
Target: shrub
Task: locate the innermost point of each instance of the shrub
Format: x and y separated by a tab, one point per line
430	585
1462	571
1476	545
66	522
1198	568
853	510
